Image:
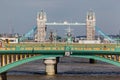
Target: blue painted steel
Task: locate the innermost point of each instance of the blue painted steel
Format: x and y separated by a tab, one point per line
65	24
28	34
104	35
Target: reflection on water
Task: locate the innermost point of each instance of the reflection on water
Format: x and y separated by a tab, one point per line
68	69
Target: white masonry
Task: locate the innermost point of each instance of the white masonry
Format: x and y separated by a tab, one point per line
90	25
41	27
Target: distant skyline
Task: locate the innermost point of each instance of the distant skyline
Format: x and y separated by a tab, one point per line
20	15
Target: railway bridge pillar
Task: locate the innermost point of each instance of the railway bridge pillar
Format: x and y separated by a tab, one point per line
51	66
92	61
3	76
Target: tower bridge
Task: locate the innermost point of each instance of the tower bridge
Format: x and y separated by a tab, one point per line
40	31
42	26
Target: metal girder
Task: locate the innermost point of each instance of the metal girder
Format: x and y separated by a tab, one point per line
65	24
61	52
17	63
116	63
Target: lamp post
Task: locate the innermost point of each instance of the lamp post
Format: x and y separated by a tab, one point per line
55	36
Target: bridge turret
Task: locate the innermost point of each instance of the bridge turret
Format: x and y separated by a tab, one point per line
90	25
41	16
41	27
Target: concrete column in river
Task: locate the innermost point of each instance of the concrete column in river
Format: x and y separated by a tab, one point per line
51	66
3	76
92	61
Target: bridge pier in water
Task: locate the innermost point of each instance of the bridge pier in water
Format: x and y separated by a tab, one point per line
3	76
92	61
51	66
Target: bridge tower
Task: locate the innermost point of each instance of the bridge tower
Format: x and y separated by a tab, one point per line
90	25
41	27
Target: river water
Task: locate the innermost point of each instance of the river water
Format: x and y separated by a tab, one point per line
68	69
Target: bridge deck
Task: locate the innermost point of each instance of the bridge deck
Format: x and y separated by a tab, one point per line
47	49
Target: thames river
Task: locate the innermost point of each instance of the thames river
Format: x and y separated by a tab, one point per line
68	69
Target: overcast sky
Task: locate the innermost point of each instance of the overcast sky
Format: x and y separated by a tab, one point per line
20	15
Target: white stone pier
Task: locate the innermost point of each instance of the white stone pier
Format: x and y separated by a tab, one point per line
51	66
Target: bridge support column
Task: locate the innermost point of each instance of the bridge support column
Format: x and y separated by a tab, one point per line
3	76
51	66
92	61
57	60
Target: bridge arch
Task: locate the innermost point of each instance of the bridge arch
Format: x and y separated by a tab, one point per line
20	62
116	63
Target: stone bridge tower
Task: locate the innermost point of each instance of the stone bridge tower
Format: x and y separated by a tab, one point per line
90	25
41	27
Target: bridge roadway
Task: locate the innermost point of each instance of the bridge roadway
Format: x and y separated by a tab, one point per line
59	49
54	50
15	55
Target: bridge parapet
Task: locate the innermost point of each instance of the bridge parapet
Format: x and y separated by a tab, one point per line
17	48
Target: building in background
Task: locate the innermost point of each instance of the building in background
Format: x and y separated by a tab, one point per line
90	25
40	34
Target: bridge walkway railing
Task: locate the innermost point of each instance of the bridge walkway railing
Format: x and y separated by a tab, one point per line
59	48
